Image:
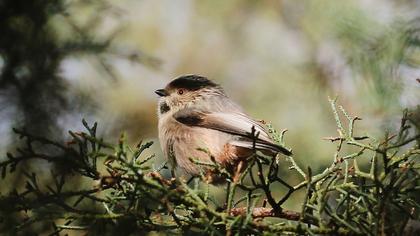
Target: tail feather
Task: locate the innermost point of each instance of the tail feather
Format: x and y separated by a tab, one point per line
262	146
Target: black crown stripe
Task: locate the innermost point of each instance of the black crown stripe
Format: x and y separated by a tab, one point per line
192	82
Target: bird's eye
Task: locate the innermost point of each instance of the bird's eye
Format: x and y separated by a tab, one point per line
180	91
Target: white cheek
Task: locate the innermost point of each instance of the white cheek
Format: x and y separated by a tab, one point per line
177	102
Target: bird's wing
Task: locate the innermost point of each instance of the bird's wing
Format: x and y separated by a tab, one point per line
233	123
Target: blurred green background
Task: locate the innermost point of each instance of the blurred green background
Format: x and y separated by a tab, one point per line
280	60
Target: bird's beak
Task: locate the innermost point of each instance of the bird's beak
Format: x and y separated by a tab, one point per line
161	92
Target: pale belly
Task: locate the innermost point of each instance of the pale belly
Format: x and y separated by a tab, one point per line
182	143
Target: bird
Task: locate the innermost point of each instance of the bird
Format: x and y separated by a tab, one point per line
199	123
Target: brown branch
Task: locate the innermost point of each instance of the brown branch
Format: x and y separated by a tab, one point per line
262	212
333	139
157	176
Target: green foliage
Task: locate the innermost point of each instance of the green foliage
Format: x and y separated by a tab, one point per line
124	195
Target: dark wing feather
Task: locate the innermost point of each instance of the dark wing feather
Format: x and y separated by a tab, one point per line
232	123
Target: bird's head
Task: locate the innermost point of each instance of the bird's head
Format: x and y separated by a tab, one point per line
186	91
